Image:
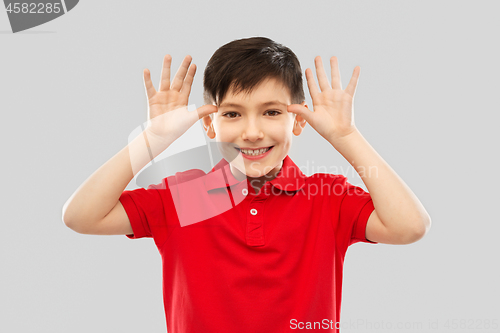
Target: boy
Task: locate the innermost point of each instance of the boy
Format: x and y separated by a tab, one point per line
254	245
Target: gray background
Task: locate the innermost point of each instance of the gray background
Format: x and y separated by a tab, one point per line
72	91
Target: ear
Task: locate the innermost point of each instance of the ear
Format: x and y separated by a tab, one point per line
208	125
299	122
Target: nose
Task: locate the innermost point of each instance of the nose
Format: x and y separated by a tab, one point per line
252	131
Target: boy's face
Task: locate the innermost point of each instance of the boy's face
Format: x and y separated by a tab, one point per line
256	120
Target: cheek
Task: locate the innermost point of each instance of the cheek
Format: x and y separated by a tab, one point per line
282	136
224	132
287	124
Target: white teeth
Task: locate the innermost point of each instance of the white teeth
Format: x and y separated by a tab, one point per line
254	152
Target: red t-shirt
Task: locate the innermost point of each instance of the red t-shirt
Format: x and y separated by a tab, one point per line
239	261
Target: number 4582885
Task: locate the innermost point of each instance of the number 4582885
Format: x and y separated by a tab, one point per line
33	8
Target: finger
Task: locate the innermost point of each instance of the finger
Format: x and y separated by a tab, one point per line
181	73
165	73
353	83
150	90
205	110
311	84
336	82
301	111
320	73
186	86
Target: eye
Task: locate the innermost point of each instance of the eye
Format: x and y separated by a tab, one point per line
274	112
230	113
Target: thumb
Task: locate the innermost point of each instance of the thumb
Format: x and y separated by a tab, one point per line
300	110
205	110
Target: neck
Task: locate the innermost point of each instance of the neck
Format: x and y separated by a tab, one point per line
257	182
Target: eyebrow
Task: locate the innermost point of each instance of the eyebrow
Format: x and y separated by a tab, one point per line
235	105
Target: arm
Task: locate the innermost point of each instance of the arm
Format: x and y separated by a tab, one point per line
95	208
399	217
97	198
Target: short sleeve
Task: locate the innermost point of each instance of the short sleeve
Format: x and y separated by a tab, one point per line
354	206
145	210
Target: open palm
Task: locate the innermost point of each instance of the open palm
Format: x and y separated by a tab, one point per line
333	115
168	116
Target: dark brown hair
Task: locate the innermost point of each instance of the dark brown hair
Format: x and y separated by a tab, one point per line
244	63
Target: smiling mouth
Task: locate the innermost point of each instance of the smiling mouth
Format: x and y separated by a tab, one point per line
256	152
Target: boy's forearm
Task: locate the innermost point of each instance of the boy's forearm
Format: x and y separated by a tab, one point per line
98	194
397	206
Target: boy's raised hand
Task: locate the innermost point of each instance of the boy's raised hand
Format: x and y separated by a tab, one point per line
333	116
168	116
